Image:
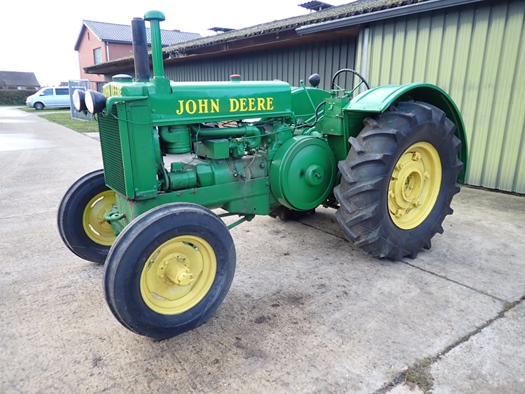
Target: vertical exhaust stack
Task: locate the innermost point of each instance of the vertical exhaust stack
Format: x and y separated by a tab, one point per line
154	18
140	49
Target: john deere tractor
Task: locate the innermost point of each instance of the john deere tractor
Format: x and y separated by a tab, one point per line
387	160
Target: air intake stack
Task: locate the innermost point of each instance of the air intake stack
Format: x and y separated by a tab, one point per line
154	18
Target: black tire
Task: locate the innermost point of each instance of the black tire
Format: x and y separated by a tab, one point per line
135	286
39	106
368	193
85	196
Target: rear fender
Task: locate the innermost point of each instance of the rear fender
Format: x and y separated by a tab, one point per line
378	100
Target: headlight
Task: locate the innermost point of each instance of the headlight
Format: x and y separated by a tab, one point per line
95	101
79	100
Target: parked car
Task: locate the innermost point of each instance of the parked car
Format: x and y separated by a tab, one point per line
50	97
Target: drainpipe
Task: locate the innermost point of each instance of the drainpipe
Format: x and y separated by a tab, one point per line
364	60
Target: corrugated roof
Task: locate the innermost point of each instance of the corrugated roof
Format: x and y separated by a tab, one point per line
355	8
112	32
394	12
18	78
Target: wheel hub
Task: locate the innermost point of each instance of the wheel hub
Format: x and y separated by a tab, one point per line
178	275
96	227
314	175
175	271
414	185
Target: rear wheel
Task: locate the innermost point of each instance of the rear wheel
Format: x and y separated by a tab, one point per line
169	270
81	222
398	181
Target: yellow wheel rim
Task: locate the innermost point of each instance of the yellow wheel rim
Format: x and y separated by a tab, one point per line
414	185
178	274
96	227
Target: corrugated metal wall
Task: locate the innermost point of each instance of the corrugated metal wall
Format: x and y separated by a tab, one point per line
290	64
478	56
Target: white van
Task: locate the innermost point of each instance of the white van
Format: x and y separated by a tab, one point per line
52	97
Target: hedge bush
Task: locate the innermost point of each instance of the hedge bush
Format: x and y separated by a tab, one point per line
14	97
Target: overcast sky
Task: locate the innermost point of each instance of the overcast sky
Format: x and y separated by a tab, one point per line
40	35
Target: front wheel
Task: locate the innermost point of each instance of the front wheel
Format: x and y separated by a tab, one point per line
169	270
398	180
81	222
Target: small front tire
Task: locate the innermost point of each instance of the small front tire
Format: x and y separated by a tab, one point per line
81	223
169	270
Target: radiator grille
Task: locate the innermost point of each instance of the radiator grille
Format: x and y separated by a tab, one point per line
112	152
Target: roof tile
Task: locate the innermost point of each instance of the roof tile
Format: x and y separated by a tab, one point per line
112	32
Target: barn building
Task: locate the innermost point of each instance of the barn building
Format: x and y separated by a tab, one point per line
473	49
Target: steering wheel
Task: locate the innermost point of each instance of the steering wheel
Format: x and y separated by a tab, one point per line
348	70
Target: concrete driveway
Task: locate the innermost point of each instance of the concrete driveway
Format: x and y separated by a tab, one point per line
306	312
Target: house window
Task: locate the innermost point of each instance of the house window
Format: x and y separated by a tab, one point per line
100	86
97	55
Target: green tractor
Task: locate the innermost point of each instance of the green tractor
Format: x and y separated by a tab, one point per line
388	160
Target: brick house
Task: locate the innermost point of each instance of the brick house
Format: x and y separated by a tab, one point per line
100	42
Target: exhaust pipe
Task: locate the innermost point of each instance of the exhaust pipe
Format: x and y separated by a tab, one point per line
140	49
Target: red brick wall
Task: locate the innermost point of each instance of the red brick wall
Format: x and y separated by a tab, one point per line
88	44
117	51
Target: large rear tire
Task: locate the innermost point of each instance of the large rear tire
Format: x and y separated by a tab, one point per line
398	181
81	223
169	270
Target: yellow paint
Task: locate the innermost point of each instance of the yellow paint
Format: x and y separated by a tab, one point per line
261	103
95	226
251	104
178	275
234	105
414	185
209	106
244	104
214	105
203	106
111	90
